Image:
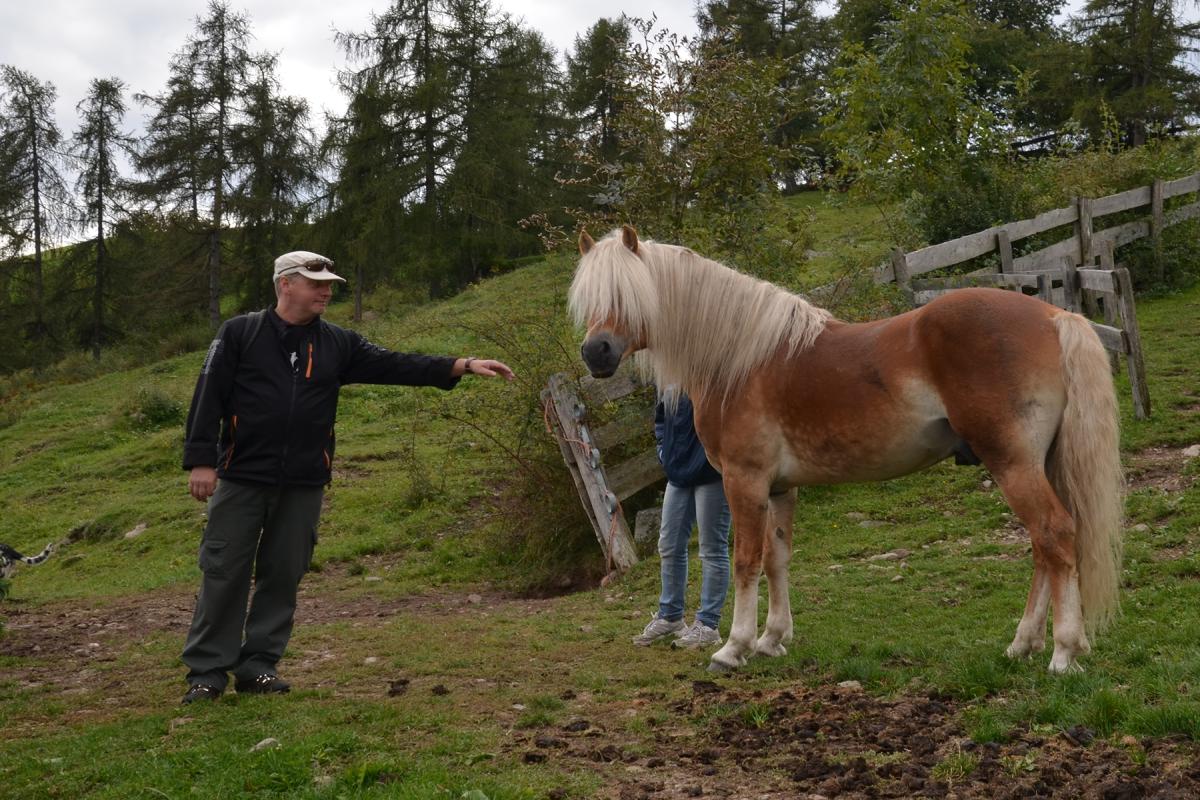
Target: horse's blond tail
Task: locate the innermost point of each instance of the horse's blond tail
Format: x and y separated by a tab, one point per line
1085	468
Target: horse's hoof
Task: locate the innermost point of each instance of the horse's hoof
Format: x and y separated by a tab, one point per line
1064	666
770	650
718	668
1018	653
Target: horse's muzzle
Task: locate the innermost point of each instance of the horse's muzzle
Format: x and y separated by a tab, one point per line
602	355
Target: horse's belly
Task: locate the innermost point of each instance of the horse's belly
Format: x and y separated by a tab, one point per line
850	459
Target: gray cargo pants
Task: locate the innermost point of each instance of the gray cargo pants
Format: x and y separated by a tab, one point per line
264	532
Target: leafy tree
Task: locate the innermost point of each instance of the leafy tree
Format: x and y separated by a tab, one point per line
99	144
35	202
903	111
803	42
1136	66
189	149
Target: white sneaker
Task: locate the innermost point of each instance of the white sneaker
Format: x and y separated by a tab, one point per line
697	636
657	630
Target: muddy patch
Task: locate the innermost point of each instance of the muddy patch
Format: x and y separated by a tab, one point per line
837	741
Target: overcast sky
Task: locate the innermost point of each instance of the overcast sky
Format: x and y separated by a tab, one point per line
70	42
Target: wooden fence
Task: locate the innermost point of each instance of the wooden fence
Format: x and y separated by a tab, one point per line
1078	272
602	487
1085	245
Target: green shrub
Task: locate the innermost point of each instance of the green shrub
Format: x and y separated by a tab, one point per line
153	409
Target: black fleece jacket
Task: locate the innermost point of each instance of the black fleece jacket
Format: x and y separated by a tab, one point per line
265	416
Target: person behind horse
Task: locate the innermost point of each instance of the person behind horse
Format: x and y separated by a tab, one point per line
259	448
694	495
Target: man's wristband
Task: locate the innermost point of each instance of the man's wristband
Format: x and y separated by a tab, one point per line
467	366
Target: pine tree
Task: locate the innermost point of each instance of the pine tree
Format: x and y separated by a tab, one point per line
595	71
275	151
188	154
36	204
1136	65
99	144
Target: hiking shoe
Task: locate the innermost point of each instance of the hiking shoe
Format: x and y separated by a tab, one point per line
200	691
697	636
657	630
266	683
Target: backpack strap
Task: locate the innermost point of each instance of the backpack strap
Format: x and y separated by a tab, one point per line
253	327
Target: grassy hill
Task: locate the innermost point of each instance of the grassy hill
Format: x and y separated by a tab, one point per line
419	674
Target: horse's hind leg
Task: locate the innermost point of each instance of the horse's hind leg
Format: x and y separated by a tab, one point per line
748	502
777	552
1056	575
1031	631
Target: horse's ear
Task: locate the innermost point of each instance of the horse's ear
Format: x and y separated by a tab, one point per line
586	243
629	238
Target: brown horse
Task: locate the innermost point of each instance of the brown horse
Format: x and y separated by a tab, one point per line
787	396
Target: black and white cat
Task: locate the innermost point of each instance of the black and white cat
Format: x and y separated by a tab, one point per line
10	557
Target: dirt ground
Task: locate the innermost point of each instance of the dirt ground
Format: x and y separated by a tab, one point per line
723	741
835	741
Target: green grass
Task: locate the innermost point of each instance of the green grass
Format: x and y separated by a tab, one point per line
412	529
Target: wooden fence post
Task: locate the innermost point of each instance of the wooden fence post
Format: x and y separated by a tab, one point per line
1045	288
1156	228
1072	289
1004	245
583	458
900	268
1133	360
1083	229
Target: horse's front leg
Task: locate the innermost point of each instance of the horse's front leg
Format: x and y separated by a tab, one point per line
748	502
777	552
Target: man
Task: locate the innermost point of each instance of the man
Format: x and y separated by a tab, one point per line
259	448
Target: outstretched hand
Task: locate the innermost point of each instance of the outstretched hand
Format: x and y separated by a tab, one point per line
489	368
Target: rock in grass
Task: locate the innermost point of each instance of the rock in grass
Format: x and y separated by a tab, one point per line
266	744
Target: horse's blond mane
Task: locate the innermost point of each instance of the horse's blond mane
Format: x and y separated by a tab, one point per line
706	326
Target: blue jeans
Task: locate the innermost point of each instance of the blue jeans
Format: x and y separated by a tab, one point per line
682	507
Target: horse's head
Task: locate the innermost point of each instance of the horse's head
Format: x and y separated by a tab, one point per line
614	297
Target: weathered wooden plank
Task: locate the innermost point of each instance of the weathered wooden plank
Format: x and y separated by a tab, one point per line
1120	235
1181	214
624	428
1048	258
993	279
598	391
1083	230
1156	210
1004	245
1122	201
1182	186
1135	362
631	476
1097	280
1113	339
1072	290
570	460
900	269
609	524
1044	289
1046	221
952	252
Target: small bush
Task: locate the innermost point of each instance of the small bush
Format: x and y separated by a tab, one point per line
153	409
